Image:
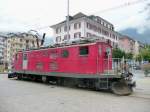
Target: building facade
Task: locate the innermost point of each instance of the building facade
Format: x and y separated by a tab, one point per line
83	26
130	45
18	42
127	44
138	47
2	48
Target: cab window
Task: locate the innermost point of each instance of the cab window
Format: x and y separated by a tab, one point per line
84	50
24	56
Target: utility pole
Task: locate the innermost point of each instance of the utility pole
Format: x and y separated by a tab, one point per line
68	21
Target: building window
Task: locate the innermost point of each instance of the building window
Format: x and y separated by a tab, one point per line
104	32
77	25
58	39
99	21
99	30
113	36
77	35
20	40
110	35
88	34
88	25
84	50
27	41
116	38
66	37
65	28
58	30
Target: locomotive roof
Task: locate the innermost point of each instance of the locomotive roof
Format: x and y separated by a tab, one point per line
66	45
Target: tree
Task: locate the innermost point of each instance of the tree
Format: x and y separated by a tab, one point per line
128	55
117	53
138	58
145	53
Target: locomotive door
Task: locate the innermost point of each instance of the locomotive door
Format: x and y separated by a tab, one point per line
99	60
25	61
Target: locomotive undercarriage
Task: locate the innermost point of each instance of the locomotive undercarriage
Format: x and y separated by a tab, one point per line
120	86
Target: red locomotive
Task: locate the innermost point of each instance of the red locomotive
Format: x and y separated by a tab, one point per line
84	64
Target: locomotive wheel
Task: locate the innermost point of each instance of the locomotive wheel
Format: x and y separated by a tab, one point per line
121	88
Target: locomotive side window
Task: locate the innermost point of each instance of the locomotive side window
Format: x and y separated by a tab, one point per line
108	52
65	53
24	56
84	50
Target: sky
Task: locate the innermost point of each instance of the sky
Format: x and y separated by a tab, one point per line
24	15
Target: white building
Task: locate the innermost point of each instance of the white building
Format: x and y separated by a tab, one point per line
83	26
2	48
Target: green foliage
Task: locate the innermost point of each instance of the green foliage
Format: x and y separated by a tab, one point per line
138	58
128	55
1	68
117	53
145	53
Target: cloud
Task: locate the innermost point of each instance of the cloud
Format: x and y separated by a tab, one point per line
140	20
137	21
24	15
133	33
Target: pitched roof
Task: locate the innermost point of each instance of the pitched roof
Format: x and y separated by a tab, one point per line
76	16
79	15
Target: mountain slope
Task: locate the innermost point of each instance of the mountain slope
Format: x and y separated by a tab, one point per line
133	33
